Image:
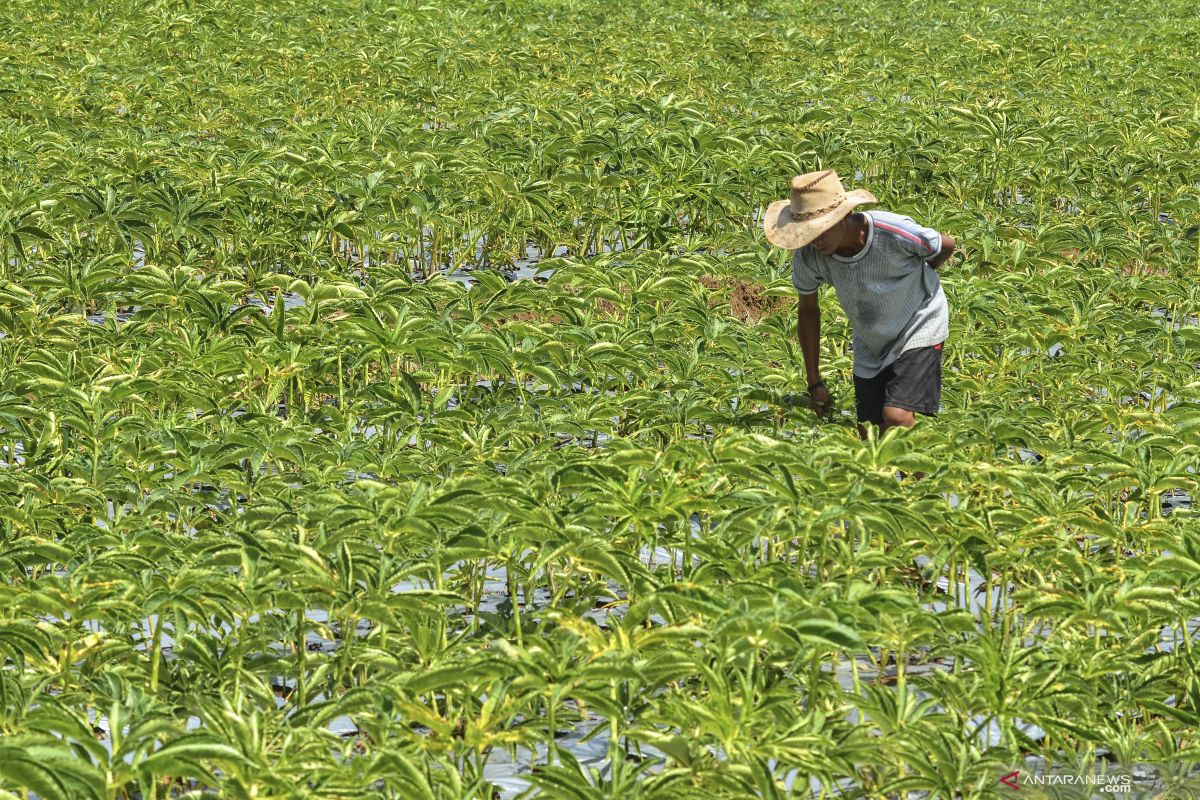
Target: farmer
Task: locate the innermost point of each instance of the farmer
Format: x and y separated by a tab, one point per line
882	266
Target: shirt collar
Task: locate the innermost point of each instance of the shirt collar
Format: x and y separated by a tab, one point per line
866	247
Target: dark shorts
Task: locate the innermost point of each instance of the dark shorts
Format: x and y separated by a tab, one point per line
913	382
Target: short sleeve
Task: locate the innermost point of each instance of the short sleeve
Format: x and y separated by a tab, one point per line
805	277
914	239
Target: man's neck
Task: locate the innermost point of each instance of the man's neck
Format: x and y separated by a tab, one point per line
858	236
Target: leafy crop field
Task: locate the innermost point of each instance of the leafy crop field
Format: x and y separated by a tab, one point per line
401	401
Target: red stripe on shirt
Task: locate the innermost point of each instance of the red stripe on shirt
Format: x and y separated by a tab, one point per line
912	237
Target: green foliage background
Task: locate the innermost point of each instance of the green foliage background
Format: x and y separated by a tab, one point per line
254	483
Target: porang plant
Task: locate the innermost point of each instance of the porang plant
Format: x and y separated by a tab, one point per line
398	400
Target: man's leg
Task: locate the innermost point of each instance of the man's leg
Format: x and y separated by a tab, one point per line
915	387
894	416
868	397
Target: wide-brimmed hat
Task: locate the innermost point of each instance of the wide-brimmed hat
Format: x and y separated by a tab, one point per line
815	204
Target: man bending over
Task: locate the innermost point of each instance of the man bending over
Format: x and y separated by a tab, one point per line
882	266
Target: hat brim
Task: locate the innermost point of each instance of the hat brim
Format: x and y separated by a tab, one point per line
791	234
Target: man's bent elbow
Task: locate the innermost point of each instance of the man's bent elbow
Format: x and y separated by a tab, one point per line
947	249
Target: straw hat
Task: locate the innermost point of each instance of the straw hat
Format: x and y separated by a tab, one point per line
816	203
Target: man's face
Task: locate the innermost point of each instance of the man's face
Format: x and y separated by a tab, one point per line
831	240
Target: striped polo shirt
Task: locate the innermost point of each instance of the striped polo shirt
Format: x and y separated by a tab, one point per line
893	299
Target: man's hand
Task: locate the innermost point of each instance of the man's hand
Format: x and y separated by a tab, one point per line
818	399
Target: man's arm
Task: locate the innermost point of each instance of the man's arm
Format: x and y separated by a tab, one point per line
942	255
808	322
